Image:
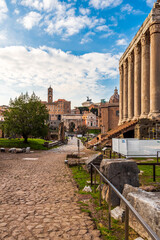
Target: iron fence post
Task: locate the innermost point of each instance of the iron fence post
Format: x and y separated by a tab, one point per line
109	208
95	181
126	223
91	175
100	191
154	172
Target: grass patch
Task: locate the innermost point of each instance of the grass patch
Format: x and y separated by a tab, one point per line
35	144
147	176
98	214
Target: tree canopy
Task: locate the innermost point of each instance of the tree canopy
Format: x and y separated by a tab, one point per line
27	116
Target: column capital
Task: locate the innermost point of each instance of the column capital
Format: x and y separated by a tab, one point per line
145	39
155	28
137	49
130	57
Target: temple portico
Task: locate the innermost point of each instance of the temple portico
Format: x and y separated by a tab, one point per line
140	72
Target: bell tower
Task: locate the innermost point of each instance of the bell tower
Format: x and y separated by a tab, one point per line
50	95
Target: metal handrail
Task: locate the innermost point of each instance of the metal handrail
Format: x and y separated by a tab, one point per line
151	233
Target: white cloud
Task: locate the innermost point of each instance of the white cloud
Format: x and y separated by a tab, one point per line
121	42
101	4
30	20
16	11
87	38
84	11
129	9
68	24
24	69
3	10
102	28
60	18
150	2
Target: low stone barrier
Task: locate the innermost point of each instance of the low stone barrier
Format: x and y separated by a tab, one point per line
96	159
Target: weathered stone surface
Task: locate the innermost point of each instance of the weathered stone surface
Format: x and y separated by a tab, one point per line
118	213
28	149
95	159
147	205
12	150
19	150
2	149
119	172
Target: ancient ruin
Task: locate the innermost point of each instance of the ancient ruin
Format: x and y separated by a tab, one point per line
139	72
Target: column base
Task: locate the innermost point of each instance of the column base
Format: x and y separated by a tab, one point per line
154	116
135	118
144	116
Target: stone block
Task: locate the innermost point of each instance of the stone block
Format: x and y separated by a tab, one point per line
28	149
118	213
2	150
12	150
95	159
147	204
19	150
119	172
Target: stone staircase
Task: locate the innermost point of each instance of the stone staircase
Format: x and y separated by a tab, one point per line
103	139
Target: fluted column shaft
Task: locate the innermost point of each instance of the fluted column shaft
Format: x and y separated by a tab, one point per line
121	95
125	90
130	86
137	81
155	71
145	75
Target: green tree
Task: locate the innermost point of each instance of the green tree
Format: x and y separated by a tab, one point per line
82	129
94	111
27	116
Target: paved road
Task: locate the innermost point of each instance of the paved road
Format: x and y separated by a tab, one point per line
38	199
70	147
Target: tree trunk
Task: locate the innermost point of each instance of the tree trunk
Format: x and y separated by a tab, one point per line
25	138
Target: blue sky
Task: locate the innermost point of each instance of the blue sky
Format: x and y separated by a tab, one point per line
72	45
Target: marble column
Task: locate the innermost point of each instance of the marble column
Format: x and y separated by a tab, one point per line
130	86
137	81
121	95
145	75
155	71
125	90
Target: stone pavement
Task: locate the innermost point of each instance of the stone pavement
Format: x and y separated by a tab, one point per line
38	199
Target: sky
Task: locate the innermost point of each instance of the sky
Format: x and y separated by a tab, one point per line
72	45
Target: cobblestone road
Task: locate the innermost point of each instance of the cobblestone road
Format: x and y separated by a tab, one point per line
38	199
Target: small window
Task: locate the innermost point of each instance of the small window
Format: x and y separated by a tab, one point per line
117	113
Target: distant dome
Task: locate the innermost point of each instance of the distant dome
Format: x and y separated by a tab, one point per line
115	97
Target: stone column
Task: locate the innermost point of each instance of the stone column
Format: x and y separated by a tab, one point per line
155	71
125	91
137	81
130	86
121	95
145	75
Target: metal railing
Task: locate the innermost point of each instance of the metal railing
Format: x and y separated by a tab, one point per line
128	206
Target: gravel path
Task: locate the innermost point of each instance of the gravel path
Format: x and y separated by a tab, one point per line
38	199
